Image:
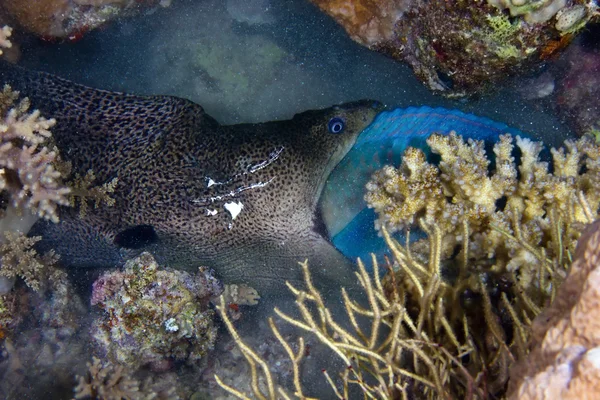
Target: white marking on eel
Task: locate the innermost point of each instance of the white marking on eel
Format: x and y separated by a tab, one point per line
234	208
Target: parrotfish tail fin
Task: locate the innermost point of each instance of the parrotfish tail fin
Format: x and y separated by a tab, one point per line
78	242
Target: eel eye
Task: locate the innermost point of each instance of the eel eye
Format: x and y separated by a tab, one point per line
336	125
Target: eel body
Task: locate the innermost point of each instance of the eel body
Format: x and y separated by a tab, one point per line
240	198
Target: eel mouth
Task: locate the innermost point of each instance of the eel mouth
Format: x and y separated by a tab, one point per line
370	110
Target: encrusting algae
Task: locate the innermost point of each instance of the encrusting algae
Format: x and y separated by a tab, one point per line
153	316
454	312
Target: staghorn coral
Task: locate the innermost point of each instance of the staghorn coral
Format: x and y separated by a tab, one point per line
153	316
28	176
543	209
565	358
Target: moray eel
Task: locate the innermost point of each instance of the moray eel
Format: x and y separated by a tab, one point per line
240	198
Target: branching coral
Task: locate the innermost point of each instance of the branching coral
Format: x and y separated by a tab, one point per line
83	190
506	233
20	259
5	43
54	301
239	295
454	311
375	356
42	347
565	358
515	216
425	337
27	172
105	381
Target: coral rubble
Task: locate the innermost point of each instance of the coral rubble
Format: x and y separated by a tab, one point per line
564	361
462	47
153	316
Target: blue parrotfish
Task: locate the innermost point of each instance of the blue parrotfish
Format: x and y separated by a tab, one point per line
241	199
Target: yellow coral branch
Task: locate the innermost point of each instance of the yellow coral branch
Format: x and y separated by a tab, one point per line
249	354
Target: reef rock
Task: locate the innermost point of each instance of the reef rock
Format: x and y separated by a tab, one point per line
462	47
578	90
70	19
153	316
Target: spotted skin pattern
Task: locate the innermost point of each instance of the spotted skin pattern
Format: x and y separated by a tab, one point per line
182	173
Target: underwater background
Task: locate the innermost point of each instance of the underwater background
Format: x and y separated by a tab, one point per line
297	59
244	62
